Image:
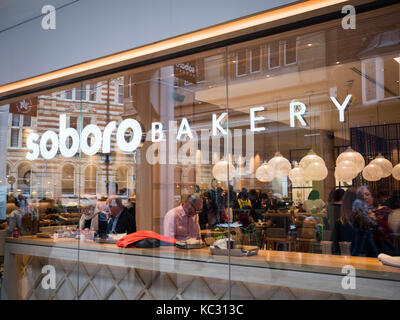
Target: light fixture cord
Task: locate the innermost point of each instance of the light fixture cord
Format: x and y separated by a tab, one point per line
277	124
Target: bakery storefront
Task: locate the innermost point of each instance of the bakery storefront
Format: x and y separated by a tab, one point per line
265	141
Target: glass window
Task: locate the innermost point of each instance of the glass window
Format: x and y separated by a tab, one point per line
274	59
15	120
24	180
255	59
90	180
241	63
257	150
92	88
80	94
68	180
73	122
122	180
68	94
290	51
27	122
14	138
120	93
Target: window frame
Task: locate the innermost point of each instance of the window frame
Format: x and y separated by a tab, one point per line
284	53
73	180
269	56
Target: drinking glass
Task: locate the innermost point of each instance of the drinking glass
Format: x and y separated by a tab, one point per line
345	248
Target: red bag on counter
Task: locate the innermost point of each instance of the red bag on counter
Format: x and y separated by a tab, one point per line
136	237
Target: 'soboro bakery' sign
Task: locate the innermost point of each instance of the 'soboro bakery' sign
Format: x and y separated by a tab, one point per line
102	140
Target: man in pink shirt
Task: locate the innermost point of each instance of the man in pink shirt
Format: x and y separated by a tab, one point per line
182	223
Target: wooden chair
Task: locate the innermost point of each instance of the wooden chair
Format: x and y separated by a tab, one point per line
305	239
276	236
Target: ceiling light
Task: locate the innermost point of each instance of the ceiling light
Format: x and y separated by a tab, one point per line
309	44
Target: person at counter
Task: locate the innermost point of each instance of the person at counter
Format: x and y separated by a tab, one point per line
355	226
95	218
333	208
15	217
182	222
122	219
379	215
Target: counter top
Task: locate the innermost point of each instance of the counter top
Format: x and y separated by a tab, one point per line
294	261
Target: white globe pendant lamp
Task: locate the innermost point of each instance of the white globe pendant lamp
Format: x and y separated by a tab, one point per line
372	172
396	172
346	170
296	175
353	156
385	165
221	170
280	165
310	158
314	167
265	173
316	171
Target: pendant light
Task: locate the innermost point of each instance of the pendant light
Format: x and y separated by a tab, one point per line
345	171
280	166
382	167
224	171
296	175
310	158
384	164
353	156
316	171
314	167
372	172
396	172
265	173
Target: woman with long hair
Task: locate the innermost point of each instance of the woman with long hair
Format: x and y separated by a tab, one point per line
355	226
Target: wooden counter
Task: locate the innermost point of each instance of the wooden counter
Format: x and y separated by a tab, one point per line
301	274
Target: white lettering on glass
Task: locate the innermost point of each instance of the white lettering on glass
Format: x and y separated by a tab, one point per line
66	133
349	281
49	136
137	135
216	124
253	119
37	145
49	20
91	129
156	129
349	21
184	128
342	107
294	112
49	280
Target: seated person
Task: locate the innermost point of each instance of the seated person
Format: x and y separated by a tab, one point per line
94	218
182	222
245	217
271	202
122	219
